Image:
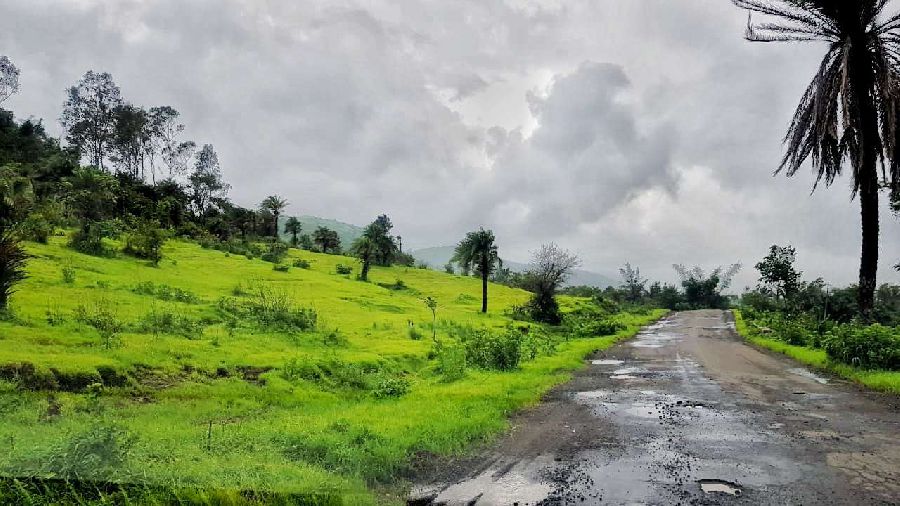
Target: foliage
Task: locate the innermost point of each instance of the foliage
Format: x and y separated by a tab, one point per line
274	205
270	308
327	240
145	241
294	227
550	267
9	78
101	316
391	387
777	273
166	292
632	282
13	259
166	321
485	349
276	252
872	346
702	291
301	263
98	453
343	269
89	115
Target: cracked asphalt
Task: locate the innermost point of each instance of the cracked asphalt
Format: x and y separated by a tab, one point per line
687	413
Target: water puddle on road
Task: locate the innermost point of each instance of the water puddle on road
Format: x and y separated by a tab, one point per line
623	377
607	361
719	487
799	371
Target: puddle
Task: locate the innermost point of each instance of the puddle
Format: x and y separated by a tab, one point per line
799	371
719	486
629	370
607	361
592	395
623	377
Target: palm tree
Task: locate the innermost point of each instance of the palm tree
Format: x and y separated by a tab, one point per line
275	205
851	109
294	227
477	252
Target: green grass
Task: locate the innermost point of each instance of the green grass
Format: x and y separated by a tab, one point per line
217	410
880	380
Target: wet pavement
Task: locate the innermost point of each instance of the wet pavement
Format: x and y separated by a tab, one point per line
686	413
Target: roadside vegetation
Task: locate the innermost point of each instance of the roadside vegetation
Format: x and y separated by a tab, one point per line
822	326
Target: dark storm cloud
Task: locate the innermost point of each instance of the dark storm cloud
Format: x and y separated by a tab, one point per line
644	130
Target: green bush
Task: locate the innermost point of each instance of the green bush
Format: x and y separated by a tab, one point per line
414	333
269	308
301	263
103	319
68	274
488	350
163	321
451	362
99	453
275	253
89	240
36	228
165	292
343	269
873	346
145	241
391	387
281	268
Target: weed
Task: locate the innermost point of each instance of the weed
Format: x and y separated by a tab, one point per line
68	274
99	453
103	319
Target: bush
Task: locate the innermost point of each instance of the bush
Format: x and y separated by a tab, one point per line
68	274
165	292
99	453
873	346
145	241
414	334
488	350
89	240
451	362
103	319
270	308
391	387
301	263
275	253
281	268
168	322
36	228
343	269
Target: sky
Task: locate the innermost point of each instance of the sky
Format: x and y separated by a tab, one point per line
641	131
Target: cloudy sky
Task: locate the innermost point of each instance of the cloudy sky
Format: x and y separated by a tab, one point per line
641	130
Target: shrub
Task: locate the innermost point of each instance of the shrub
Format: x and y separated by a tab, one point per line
421	265
269	308
99	453
873	346
301	263
103	319
68	274
89	239
281	268
451	362
145	241
414	333
36	228
12	265
488	350
343	269
162	321
276	252
165	292
391	387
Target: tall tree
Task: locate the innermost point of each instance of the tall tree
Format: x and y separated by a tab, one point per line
130	140
89	115
206	181
478	253
364	249
274	205
632	282
384	246
777	273
162	136
851	109
327	240
294	227
9	79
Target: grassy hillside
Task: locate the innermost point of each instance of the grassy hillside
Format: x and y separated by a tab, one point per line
203	374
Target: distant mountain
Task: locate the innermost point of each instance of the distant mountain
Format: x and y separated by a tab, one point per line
347	232
437	257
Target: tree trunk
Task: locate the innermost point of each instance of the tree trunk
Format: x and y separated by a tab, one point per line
364	275
484	280
866	173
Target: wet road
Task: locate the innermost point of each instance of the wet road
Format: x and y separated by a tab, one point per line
687	413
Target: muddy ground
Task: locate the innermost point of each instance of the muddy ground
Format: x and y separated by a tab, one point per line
686	413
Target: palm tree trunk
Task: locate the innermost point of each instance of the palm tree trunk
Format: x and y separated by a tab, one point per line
867	174
484	281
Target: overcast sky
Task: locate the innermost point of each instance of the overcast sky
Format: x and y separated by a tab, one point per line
641	130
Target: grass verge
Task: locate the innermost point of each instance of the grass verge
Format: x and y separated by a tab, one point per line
875	379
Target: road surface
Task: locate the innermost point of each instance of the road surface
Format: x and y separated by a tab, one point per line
687	413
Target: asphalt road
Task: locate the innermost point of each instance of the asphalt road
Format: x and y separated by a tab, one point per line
687	413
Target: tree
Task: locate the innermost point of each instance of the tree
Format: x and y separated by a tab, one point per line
130	140
274	205
702	291
206	181
478	252
9	79
294	227
89	115
163	132
384	246
364	249
777	273
91	197
327	240
850	110
633	284
550	267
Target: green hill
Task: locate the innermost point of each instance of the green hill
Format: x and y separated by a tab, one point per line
347	232
218	373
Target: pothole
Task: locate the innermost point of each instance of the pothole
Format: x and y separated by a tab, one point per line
719	487
799	371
